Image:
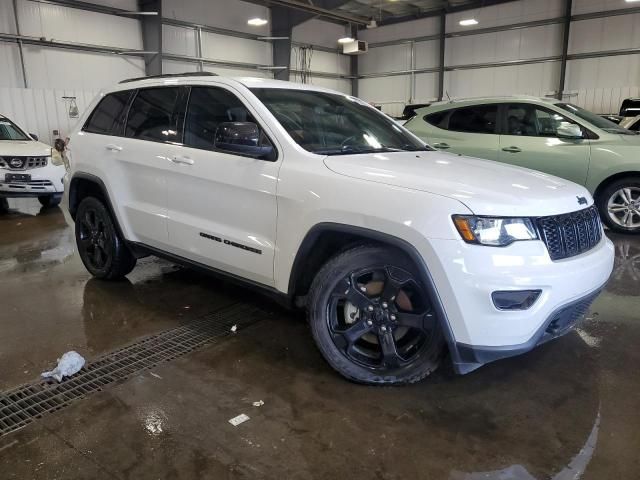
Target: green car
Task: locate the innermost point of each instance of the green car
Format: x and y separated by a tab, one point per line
549	135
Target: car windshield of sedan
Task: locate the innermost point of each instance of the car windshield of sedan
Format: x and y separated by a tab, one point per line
595	120
9	131
329	124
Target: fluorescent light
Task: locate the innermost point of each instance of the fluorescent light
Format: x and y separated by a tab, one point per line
346	40
469	21
257	22
631	1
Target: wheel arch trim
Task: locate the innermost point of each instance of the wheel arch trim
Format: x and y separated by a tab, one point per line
380	237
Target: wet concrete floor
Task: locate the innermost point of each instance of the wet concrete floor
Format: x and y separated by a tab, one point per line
567	410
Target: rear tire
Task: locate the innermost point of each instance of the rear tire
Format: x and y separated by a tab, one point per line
372	318
103	252
49	201
619	205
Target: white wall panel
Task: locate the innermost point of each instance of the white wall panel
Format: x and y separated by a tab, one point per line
507	13
174	66
385	59
318	32
74	25
323	61
607	33
589	6
59	68
229	14
426	87
415	28
385	89
41	111
11	72
507	45
338	84
600	84
427	54
222	47
7	19
179	40
535	79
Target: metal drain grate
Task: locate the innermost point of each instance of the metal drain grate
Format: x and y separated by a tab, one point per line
20	406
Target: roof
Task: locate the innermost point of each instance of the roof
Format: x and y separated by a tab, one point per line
478	100
204	78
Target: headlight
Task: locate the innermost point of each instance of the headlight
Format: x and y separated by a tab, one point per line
496	232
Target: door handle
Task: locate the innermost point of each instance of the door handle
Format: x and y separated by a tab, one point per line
441	146
181	159
113	147
511	149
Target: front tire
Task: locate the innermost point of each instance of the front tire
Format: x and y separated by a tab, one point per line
103	252
49	201
372	318
619	205
4	205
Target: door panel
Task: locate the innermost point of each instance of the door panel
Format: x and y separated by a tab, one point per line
222	206
530	141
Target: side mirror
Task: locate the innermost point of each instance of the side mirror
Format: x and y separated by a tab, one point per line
243	138
34	136
569	131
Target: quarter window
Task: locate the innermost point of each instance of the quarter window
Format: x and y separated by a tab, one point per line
476	119
108	116
437	119
153	115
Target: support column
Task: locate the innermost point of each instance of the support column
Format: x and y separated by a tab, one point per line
565	48
443	39
281	26
353	65
152	35
20	52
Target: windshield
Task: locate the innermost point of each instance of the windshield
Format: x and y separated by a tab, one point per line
593	119
329	124
9	131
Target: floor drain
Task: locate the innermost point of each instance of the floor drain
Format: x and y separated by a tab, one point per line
20	406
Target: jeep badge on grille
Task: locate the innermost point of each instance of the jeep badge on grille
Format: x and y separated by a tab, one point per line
582	200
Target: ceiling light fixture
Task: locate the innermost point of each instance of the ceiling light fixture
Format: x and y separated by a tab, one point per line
468	22
257	22
346	40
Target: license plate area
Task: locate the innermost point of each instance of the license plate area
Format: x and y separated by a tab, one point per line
17	178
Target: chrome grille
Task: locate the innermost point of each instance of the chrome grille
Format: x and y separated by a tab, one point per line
570	234
23	163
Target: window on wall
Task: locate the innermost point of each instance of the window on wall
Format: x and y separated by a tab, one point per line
108	116
152	115
208	108
532	121
476	119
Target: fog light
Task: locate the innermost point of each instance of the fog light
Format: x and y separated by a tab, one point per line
515	299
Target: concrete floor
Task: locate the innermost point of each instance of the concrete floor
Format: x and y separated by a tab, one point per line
567	410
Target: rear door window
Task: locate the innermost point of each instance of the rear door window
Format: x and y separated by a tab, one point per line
154	115
108	116
475	119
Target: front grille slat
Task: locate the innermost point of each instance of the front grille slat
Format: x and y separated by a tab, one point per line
570	234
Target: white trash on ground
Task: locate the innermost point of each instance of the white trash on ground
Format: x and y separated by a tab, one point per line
235	421
234	329
259	403
69	364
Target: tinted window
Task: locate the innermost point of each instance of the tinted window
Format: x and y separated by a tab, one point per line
208	108
630	107
531	121
477	119
108	117
436	119
330	124
593	119
152	115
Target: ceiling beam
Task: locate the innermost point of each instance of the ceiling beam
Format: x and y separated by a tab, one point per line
325	9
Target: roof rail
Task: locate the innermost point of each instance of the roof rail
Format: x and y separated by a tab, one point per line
171	75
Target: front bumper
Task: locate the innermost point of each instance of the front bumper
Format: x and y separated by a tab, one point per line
466	275
44	181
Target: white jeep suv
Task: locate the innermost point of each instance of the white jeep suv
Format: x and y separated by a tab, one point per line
399	253
26	169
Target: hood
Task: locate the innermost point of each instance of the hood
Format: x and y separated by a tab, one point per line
23	148
484	186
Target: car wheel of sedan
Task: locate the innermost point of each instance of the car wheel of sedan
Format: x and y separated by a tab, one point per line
372	318
619	205
102	250
4	205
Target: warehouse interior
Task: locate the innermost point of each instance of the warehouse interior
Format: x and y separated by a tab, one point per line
178	352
